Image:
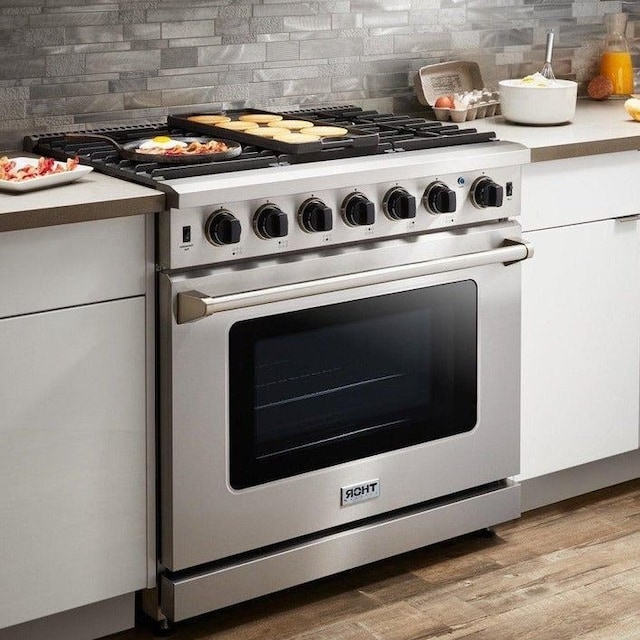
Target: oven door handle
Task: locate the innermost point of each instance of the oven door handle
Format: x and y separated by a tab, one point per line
193	305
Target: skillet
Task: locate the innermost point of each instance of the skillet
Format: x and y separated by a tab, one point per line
130	150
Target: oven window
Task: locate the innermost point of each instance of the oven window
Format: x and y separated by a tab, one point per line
315	388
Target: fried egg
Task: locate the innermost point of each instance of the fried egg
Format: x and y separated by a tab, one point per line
162	142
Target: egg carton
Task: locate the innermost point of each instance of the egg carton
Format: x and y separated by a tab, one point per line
462	82
480	103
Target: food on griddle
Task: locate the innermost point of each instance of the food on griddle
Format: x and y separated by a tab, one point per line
260	118
292	125
297	138
166	146
238	125
12	172
325	131
268	132
162	143
209	118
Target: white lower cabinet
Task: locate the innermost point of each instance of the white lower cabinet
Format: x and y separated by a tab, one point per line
580	345
72	458
76	419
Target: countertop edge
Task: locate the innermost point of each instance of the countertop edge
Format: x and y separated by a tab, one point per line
84	212
581	149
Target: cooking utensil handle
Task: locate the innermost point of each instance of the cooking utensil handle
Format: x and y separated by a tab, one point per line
549	53
193	305
92	136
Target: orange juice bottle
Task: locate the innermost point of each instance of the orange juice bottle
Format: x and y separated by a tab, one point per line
616	58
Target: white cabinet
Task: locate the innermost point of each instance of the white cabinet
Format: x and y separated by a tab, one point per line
73	418
580	345
580	313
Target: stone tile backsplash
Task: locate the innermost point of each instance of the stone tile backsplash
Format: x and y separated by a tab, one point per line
69	64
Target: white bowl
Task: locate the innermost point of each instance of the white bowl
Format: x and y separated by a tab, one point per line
530	104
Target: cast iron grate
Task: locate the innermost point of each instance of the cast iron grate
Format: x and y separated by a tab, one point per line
396	133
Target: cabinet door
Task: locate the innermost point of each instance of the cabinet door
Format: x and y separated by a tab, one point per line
72	458
580	345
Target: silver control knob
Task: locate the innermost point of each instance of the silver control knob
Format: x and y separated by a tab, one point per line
358	210
486	193
399	204
269	221
222	227
314	216
438	198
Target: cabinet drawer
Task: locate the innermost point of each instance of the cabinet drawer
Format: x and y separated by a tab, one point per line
70	264
575	190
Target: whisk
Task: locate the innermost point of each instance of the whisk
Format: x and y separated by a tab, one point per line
547	70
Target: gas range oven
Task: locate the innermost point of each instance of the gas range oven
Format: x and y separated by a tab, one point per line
339	349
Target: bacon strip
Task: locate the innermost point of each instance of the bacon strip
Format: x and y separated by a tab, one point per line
45	167
193	148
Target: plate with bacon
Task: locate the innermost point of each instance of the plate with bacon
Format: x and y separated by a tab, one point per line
27	174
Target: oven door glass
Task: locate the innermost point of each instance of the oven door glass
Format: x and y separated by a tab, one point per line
323	386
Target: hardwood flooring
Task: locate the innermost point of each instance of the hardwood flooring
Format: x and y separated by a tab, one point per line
567	571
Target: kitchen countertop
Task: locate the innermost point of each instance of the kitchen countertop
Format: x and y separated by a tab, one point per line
598	127
93	197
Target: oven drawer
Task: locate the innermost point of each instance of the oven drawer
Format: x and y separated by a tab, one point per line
195	593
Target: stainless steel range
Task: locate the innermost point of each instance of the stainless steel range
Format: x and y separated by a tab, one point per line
339	351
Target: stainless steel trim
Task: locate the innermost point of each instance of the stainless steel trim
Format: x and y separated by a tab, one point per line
193	305
150	312
632	218
243	580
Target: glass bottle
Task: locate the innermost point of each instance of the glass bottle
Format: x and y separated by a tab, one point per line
616	57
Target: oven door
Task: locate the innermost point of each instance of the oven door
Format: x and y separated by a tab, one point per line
294	406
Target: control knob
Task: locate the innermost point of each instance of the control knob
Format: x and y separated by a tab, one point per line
438	198
269	221
486	193
399	204
314	216
222	227
358	210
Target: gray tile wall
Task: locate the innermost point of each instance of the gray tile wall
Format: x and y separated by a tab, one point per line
74	63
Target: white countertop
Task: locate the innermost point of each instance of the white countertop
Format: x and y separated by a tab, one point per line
598	127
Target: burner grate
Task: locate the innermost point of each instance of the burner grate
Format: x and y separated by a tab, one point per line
104	158
395	133
402	132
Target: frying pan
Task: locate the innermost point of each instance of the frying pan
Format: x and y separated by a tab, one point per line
129	150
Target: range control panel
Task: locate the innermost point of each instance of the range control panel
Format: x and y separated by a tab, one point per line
313	219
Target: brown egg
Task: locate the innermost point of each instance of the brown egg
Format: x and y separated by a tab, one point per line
444	102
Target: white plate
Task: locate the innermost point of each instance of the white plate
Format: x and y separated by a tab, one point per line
42	182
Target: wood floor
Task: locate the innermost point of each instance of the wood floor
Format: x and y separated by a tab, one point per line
571	570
